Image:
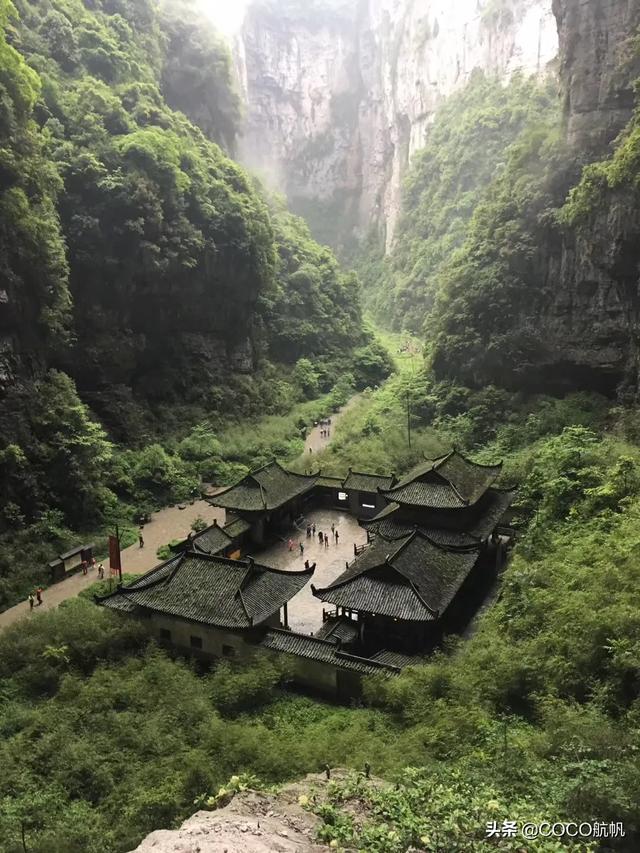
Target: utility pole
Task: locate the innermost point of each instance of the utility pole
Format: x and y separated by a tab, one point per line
119	554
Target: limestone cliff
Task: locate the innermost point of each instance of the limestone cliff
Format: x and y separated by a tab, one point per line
573	320
338	95
599	61
593	317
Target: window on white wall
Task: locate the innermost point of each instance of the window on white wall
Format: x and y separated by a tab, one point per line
343	496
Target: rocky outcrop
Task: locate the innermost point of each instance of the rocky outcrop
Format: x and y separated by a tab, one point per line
252	823
255	822
591	317
338	99
599	61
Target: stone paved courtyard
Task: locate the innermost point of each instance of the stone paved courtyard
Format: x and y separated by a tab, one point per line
305	611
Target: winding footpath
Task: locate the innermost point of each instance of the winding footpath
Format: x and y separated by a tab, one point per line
315	441
165	525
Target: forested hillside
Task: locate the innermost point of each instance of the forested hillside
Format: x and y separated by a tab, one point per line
165	321
467	149
148	281
517	252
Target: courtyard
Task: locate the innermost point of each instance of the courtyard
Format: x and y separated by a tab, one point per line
305	611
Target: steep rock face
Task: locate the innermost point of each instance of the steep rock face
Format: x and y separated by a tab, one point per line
598	64
338	100
586	312
592	314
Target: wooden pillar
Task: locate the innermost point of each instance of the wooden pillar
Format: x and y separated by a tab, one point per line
286	614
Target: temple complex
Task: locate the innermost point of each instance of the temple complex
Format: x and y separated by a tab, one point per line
210	606
269	499
434	544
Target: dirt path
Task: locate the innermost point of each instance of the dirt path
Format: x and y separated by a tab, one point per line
165	525
316	441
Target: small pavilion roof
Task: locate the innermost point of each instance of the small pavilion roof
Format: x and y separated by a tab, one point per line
449	482
413	578
211	590
339	629
236	527
267	488
212	540
361	482
325	651
494	506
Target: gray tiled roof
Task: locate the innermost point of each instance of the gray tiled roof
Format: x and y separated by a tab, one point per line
449	482
267	488
312	648
211	541
236	527
329	482
389	526
211	590
383	596
398	659
341	629
419	493
360	482
490	509
412	578
494	505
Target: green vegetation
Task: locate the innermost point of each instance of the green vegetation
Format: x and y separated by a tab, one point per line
534	715
498	215
466	152
169	324
157	297
423	811
600	181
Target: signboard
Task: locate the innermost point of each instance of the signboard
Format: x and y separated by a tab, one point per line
114	556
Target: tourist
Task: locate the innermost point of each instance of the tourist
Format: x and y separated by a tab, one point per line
308	531
333	528
313	529
301	549
93	562
84	567
306	564
311	450
326	540
291	544
31	601
336	535
39	595
140	540
321	536
101	571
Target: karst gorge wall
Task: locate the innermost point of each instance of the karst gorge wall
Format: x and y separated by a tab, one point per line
589	269
338	96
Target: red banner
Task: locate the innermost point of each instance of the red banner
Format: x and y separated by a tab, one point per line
114	555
